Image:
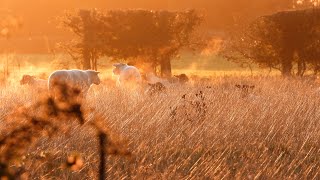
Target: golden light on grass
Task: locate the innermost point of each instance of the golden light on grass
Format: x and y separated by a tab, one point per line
206	129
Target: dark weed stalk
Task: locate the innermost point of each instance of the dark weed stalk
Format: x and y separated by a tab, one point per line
196	108
107	147
102	153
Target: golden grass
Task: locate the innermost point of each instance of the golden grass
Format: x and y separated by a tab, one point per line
204	130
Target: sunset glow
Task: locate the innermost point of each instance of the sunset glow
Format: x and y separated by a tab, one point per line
159	89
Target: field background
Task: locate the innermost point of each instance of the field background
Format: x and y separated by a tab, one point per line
41	65
202	130
205	129
227	122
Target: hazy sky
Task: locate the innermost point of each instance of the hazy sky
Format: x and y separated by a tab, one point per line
39	16
218	11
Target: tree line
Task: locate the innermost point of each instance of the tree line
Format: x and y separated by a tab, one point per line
286	41
154	37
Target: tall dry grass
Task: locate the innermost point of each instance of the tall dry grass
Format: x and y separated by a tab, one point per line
209	129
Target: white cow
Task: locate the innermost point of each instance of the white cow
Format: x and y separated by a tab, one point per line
33	82
127	75
79	80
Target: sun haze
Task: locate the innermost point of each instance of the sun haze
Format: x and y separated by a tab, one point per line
159	89
38	17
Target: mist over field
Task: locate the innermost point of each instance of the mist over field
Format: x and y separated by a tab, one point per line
174	89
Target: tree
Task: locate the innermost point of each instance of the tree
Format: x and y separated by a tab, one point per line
253	43
86	48
282	41
9	25
153	36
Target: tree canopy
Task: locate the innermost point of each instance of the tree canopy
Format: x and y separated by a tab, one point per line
286	41
153	36
9	24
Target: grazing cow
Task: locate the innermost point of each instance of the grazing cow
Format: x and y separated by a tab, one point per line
153	79
156	88
182	78
79	80
33	81
128	75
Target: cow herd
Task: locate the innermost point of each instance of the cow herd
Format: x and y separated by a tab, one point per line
127	77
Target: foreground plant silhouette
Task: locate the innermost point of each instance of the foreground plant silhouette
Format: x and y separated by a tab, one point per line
54	113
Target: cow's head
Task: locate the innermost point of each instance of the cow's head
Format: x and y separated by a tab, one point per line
26	79
94	76
118	68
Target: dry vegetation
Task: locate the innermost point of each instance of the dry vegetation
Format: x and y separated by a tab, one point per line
204	130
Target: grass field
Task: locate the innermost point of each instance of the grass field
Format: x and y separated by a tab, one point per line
207	129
